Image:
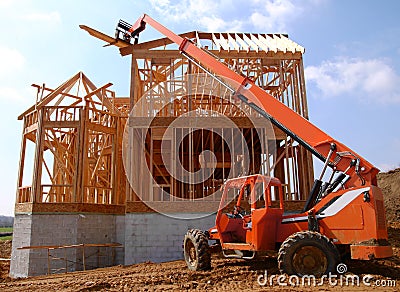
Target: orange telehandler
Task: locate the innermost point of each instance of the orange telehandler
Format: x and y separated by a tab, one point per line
344	214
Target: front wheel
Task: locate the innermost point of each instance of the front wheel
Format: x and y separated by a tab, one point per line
196	250
308	253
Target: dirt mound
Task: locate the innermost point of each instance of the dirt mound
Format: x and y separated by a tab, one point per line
5	253
225	274
5	249
389	182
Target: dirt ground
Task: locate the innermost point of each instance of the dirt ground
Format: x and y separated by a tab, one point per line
225	274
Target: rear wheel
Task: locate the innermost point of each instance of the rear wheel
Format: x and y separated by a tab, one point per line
196	250
308	253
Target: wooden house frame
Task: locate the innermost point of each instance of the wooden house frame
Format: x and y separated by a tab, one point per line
82	126
76	131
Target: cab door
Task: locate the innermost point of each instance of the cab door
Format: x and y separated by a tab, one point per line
266	218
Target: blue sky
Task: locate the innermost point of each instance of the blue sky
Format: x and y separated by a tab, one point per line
352	60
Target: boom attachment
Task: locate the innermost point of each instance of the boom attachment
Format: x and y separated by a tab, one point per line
122	32
294	125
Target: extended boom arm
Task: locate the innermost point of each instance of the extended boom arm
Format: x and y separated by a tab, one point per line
330	151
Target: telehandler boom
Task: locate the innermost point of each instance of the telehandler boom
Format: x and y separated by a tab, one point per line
343	215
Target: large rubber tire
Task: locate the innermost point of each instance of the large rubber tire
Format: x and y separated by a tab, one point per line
308	253
196	250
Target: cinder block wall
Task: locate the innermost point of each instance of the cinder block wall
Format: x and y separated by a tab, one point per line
158	238
97	229
58	229
144	236
19	266
120	238
51	230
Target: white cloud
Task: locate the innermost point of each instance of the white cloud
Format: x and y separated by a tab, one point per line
278	15
8	93
7	3
229	15
53	17
182	10
202	12
215	23
14	96
11	61
275	14
372	79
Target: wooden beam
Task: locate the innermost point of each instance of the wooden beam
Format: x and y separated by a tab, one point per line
121	100
89	84
153	44
31	128
134	80
51	90
224	43
205	122
244	45
100	128
52	95
233	54
250	42
233	42
98	90
80	157
60	124
68	208
37	173
106	38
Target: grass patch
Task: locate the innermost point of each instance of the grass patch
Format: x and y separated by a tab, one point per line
4	238
6	229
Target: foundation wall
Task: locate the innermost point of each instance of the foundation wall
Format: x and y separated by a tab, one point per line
61	229
158	238
19	265
145	237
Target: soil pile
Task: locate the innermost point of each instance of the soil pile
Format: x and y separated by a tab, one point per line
389	182
225	274
5	253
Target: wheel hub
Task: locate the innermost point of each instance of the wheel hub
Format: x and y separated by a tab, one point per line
191	252
310	260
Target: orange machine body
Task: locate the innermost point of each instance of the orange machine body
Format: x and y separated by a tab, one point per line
348	217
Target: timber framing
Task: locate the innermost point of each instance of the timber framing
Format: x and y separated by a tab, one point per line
74	135
272	61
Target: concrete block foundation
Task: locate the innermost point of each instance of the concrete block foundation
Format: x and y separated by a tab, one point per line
54	230
145	237
157	238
